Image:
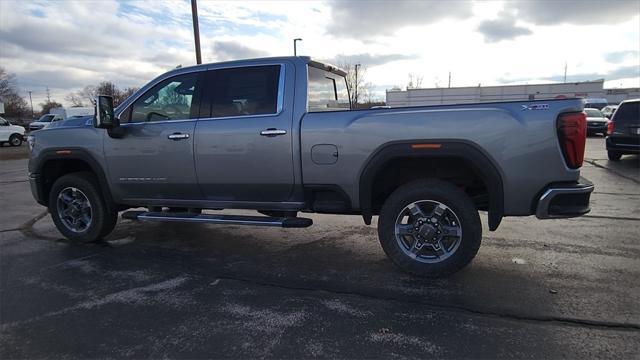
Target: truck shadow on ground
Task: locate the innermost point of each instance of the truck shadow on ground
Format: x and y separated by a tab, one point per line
346	261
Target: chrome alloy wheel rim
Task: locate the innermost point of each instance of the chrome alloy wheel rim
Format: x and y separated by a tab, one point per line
428	231
74	209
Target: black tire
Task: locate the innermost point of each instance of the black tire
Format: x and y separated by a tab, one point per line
15	140
614	155
437	191
103	217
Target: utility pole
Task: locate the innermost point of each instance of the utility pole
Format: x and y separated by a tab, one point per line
565	71
295	48
196	30
48	95
356	85
449	79
31	101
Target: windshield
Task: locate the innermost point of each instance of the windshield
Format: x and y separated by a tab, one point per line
593	113
327	91
46	118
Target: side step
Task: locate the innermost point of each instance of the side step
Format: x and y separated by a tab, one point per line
285	222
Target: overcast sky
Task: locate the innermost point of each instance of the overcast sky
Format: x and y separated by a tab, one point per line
65	45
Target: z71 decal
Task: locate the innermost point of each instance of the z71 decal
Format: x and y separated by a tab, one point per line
535	107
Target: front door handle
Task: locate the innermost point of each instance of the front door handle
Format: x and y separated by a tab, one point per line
178	136
273	132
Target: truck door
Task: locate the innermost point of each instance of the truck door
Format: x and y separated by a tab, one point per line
153	157
243	150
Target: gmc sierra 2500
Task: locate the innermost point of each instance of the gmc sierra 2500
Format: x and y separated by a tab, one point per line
277	135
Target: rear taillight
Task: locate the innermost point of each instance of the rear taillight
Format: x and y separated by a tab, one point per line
611	126
572	133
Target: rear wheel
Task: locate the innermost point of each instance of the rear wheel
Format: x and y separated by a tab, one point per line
15	140
614	155
429	228
78	209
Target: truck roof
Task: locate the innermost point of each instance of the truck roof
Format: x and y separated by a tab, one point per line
304	59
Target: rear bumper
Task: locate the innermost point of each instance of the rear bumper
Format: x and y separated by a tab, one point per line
565	200
624	144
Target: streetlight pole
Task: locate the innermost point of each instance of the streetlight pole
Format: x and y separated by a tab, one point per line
31	101
356	86
196	30
295	49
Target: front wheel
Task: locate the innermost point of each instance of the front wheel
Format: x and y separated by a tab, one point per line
78	209
429	228
15	140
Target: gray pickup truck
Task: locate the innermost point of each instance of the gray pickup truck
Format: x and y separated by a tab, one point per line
278	135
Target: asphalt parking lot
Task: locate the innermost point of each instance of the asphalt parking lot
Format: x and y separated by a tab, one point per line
537	289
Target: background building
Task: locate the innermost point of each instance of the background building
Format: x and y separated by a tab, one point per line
474	94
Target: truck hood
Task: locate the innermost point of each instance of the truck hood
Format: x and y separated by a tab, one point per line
16	129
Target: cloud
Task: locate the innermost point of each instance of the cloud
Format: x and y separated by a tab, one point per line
617	57
370	60
367	19
503	28
575	12
231	50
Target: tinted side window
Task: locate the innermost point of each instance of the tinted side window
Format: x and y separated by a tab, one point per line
628	113
171	99
244	91
327	91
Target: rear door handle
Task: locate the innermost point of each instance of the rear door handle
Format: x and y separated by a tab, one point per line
178	136
272	132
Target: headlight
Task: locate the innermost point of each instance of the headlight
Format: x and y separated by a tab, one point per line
31	140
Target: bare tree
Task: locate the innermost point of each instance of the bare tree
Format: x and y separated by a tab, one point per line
14	104
415	81
75	98
88	93
359	88
124	94
48	105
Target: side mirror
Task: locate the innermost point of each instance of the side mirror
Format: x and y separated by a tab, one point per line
104	118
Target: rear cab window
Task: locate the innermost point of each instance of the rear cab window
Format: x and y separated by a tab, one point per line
327	91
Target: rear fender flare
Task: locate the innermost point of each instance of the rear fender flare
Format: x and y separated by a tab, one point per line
480	162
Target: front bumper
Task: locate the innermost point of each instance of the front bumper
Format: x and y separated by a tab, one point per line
36	188
597	126
565	200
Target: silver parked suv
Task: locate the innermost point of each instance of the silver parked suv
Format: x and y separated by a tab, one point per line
278	135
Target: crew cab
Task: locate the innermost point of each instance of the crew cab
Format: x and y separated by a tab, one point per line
278	135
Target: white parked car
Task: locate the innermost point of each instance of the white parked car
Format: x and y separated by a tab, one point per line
44	121
12	134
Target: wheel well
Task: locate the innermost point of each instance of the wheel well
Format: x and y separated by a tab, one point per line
455	170
53	169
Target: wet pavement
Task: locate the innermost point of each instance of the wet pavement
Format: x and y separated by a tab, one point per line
537	289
